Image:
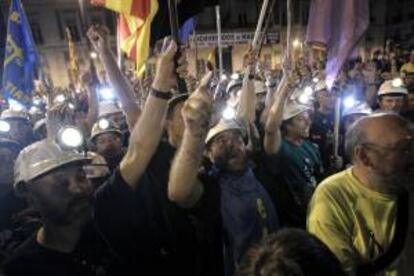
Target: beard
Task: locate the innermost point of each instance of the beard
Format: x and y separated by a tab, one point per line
394	183
231	159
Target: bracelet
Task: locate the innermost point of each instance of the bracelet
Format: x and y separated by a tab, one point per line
161	95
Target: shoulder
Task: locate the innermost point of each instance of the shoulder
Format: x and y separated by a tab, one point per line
334	186
333	199
24	257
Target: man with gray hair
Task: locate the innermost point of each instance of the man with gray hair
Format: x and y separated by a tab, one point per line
365	213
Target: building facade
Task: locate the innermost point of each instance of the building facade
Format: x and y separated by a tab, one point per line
50	18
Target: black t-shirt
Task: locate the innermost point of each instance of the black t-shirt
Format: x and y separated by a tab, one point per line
148	232
10	206
91	257
321	133
15	226
33	259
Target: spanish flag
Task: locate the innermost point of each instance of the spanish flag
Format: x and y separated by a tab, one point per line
73	60
134	26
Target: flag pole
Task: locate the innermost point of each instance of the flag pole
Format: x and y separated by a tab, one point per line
289	29
265	28
173	14
118	45
219	41
256	36
196	54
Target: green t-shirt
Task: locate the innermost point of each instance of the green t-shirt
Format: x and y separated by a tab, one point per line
294	174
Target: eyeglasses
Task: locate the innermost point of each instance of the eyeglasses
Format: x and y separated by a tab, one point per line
406	148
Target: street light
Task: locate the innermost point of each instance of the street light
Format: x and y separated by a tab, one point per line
296	43
93	55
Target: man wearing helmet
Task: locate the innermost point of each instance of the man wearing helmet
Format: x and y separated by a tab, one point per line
322	128
20	126
292	163
106	140
392	96
52	178
226	198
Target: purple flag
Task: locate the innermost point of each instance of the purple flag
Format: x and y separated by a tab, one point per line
339	24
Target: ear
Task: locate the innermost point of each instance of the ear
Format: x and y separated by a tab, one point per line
21	189
362	155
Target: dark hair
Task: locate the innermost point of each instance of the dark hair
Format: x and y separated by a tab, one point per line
285	123
290	252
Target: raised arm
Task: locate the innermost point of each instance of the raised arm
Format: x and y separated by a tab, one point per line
246	108
93	109
273	136
123	89
147	131
184	188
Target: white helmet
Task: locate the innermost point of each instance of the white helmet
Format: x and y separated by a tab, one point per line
42	157
224	125
259	87
39	124
293	109
389	87
14	114
321	85
232	84
101	127
97	168
361	108
108	108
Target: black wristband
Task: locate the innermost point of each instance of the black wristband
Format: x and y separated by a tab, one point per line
160	94
251	76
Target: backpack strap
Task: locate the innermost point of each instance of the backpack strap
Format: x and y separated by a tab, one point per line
397	243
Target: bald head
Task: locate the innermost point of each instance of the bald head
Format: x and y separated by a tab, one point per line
383	129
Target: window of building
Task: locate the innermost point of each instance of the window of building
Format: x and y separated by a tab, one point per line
36	32
69	19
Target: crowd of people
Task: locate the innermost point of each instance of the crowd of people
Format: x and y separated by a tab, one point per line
260	172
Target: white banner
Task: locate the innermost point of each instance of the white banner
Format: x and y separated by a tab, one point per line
228	39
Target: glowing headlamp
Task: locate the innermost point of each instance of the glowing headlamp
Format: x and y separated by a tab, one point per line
306	96
349	102
235	76
60	98
397	82
229	113
34	109
4	126
71	106
70	137
37	101
106	93
103	124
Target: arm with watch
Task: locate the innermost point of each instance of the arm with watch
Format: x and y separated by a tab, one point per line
247	105
147	132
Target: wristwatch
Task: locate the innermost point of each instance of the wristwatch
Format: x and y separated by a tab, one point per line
160	94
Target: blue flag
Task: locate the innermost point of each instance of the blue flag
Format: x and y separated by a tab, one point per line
187	29
20	58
